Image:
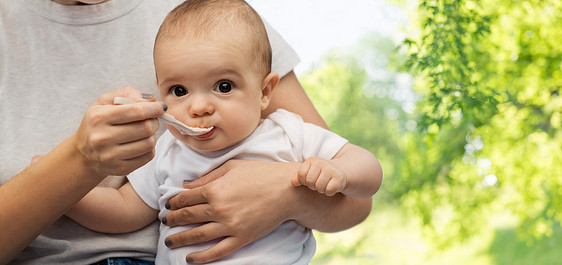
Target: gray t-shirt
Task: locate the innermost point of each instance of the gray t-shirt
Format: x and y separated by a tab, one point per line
55	61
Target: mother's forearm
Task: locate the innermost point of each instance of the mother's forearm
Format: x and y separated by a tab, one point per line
35	198
329	214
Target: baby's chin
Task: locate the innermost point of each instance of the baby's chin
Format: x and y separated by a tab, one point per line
91	2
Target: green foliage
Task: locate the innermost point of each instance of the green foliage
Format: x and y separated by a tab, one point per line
489	80
443	58
488	140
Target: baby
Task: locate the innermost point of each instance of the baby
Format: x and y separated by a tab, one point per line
212	61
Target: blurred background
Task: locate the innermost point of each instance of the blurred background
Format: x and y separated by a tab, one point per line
460	101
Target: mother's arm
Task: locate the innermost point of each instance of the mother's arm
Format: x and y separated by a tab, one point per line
243	201
111	140
318	212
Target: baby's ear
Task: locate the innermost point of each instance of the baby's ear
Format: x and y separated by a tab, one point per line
269	83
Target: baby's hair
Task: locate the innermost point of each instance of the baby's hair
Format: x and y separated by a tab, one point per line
202	18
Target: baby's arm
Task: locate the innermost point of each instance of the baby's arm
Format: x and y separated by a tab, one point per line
353	171
110	210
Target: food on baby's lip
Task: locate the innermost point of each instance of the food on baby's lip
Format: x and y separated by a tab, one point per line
169	119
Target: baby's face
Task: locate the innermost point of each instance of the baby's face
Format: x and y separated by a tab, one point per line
207	83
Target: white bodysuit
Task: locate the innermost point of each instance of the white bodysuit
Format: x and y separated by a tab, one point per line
282	137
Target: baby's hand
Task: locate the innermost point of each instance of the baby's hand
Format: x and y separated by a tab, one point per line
320	175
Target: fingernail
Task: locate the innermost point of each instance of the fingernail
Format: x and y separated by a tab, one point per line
147	95
189	260
187	181
168	242
164	220
165	106
167	205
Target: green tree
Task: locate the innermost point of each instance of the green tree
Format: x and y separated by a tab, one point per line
488	139
488	76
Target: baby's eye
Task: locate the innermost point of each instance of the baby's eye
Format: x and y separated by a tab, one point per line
224	87
178	91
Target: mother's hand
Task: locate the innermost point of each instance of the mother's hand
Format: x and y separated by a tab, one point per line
114	140
241	201
111	140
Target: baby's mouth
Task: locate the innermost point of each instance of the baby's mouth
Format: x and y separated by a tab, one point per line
206	135
194	131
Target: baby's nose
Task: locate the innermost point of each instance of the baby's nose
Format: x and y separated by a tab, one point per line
201	106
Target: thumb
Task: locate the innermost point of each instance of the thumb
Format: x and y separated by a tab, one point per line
295	181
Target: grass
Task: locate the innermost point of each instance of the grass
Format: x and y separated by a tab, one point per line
392	236
508	248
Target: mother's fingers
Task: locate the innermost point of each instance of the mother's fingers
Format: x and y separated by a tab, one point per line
199	234
189	215
187	198
225	247
133	163
133	150
128	92
126	141
122	114
115	140
125	133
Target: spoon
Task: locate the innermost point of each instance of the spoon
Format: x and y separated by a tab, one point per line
169	119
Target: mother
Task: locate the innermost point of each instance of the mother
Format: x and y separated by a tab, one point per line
56	57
